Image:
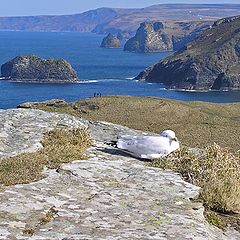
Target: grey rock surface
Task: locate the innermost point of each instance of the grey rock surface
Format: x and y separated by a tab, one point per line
52	102
108	196
22	130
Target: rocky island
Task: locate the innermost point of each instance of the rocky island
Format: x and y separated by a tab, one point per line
211	62
150	37
34	69
168	36
110	41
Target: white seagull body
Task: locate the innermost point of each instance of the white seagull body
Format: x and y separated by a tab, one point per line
149	147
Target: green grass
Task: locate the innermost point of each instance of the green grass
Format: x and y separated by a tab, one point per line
59	146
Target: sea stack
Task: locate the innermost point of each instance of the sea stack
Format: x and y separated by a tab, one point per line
150	37
34	69
211	62
110	41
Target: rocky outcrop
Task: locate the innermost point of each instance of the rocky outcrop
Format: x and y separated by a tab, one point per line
212	61
34	69
110	41
150	37
173	35
108	196
51	103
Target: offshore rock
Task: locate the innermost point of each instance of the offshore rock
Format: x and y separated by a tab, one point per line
150	37
110	41
211	62
34	69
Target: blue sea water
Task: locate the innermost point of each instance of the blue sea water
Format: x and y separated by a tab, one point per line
107	71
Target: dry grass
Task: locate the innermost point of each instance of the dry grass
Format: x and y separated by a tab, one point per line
59	146
197	124
216	172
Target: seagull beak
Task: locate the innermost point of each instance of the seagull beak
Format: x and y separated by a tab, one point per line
175	139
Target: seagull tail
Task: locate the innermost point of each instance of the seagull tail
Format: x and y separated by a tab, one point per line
121	144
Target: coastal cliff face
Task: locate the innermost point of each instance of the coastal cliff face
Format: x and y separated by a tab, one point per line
35	69
110	41
150	37
212	61
172	35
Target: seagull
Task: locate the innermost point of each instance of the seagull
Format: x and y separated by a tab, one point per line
149	147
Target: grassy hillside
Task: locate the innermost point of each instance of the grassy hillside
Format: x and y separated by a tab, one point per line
197	124
125	19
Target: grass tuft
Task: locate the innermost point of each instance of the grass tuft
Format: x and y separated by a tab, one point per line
215	219
216	172
59	146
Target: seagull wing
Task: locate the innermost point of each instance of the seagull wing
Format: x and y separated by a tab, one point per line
145	146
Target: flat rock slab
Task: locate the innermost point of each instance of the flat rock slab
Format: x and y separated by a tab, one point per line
109	196
22	130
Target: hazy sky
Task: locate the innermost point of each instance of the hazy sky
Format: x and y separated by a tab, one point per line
43	7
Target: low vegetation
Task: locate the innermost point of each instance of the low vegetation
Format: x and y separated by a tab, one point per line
216	171
59	146
197	124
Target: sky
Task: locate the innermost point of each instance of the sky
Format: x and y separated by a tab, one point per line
52	7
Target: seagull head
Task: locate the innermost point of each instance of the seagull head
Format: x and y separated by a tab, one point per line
169	134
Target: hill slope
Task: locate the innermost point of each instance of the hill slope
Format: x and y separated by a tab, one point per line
84	22
105	20
206	122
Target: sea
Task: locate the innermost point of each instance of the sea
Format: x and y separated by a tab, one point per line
105	71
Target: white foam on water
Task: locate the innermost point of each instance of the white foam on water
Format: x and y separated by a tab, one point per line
130	78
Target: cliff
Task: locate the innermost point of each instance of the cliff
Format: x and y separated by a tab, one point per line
156	36
212	61
150	37
110	41
35	69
